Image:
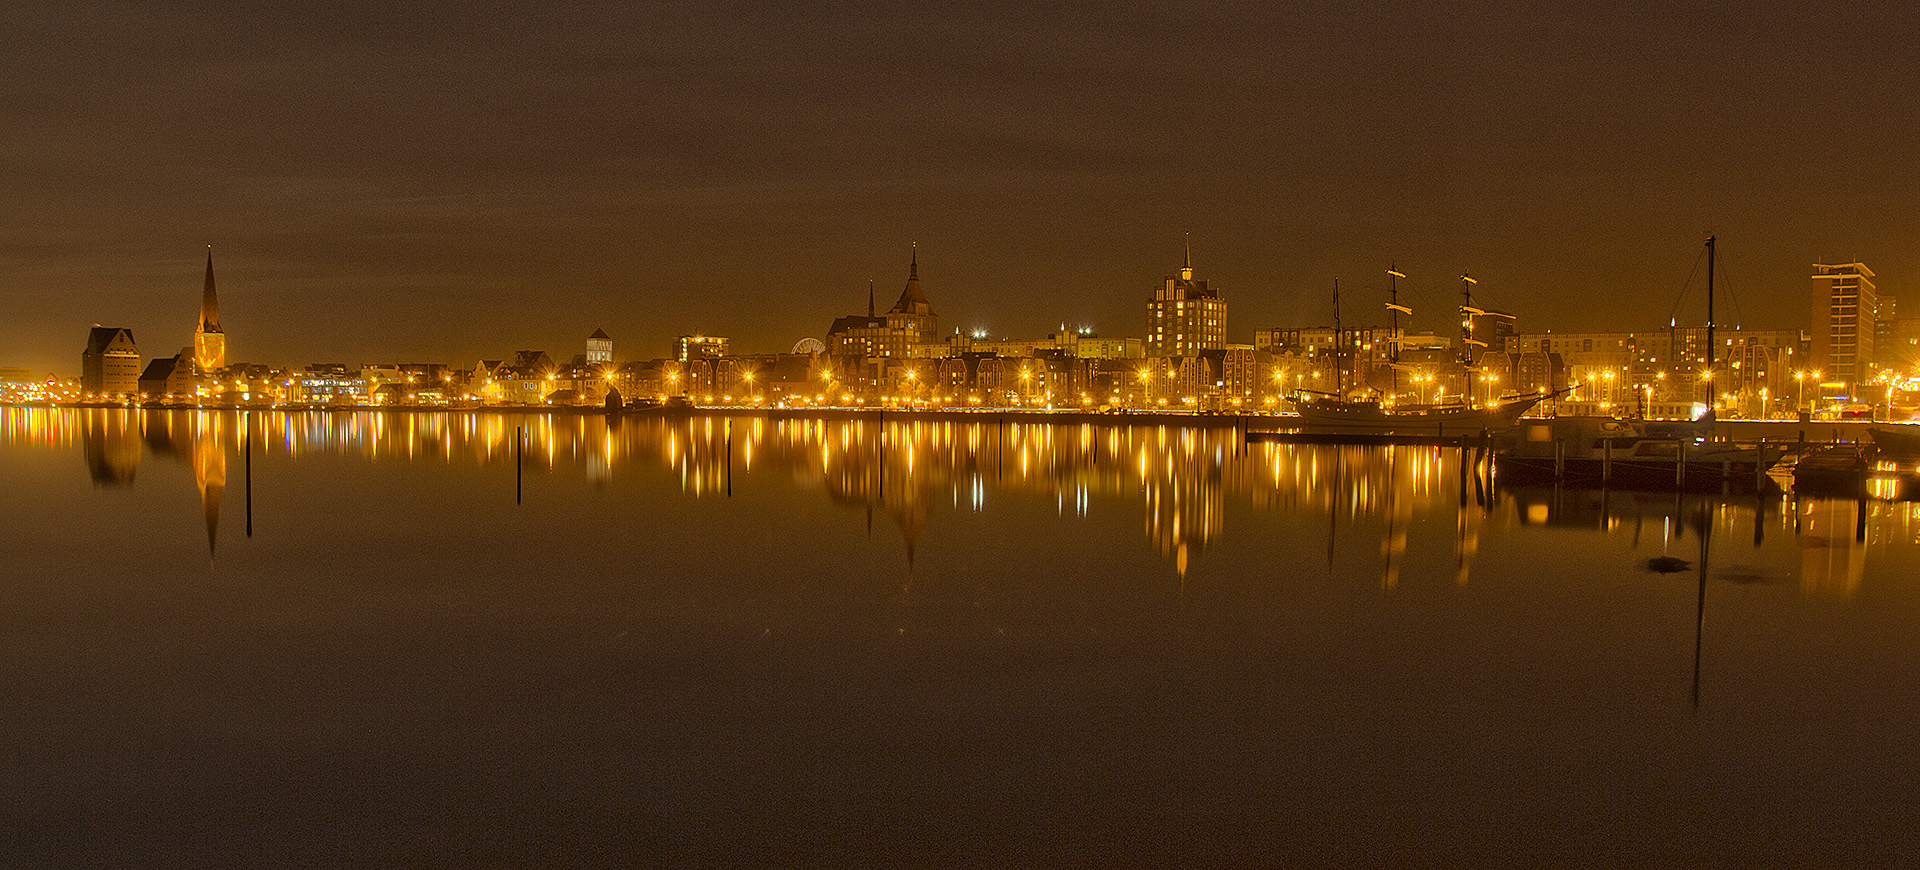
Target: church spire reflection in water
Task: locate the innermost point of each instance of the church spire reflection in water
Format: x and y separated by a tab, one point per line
112	439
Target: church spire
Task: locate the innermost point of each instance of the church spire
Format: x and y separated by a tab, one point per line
209	341
1186	260
209	304
912	300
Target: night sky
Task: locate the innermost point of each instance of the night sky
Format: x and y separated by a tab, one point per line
393	181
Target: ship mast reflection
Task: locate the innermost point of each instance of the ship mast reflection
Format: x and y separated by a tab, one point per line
1185	481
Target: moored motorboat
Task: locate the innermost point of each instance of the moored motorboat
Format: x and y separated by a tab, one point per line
1628	454
1897	441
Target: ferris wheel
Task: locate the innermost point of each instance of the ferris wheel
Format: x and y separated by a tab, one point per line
811	346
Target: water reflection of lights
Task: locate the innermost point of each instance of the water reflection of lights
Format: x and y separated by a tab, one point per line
1182	481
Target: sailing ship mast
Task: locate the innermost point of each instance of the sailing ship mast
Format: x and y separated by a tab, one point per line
1393	294
1339	347
1466	324
1712	388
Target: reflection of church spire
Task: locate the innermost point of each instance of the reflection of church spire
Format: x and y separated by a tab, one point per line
913	519
210	472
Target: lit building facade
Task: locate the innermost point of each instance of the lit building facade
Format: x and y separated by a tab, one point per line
690	347
110	366
599	348
1846	311
1185	316
908	323
170	379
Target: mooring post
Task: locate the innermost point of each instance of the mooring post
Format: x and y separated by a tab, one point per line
1490	473
1463	472
519	439
249	473
1606	460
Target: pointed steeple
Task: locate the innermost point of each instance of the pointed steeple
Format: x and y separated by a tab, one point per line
912	301
209	340
1186	259
209	304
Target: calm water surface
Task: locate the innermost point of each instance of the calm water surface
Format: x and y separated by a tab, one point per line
750	642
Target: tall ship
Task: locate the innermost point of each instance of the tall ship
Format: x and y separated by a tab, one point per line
1340	414
1331	414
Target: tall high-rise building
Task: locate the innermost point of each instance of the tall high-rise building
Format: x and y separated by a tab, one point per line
209	342
1185	316
1846	309
110	366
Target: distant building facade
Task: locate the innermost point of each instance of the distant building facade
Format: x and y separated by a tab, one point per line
689	347
908	323
1185	315
1846	311
599	348
172	378
110	366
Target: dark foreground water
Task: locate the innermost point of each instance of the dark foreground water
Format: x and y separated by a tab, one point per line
743	642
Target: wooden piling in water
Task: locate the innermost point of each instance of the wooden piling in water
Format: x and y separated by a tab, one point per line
1463	472
249	474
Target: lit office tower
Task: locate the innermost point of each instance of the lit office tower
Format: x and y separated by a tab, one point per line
209	342
1846	307
1185	316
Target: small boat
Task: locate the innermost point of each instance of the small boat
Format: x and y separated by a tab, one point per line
1902	441
1629	454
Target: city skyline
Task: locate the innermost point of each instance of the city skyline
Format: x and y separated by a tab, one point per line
387	183
1361	318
